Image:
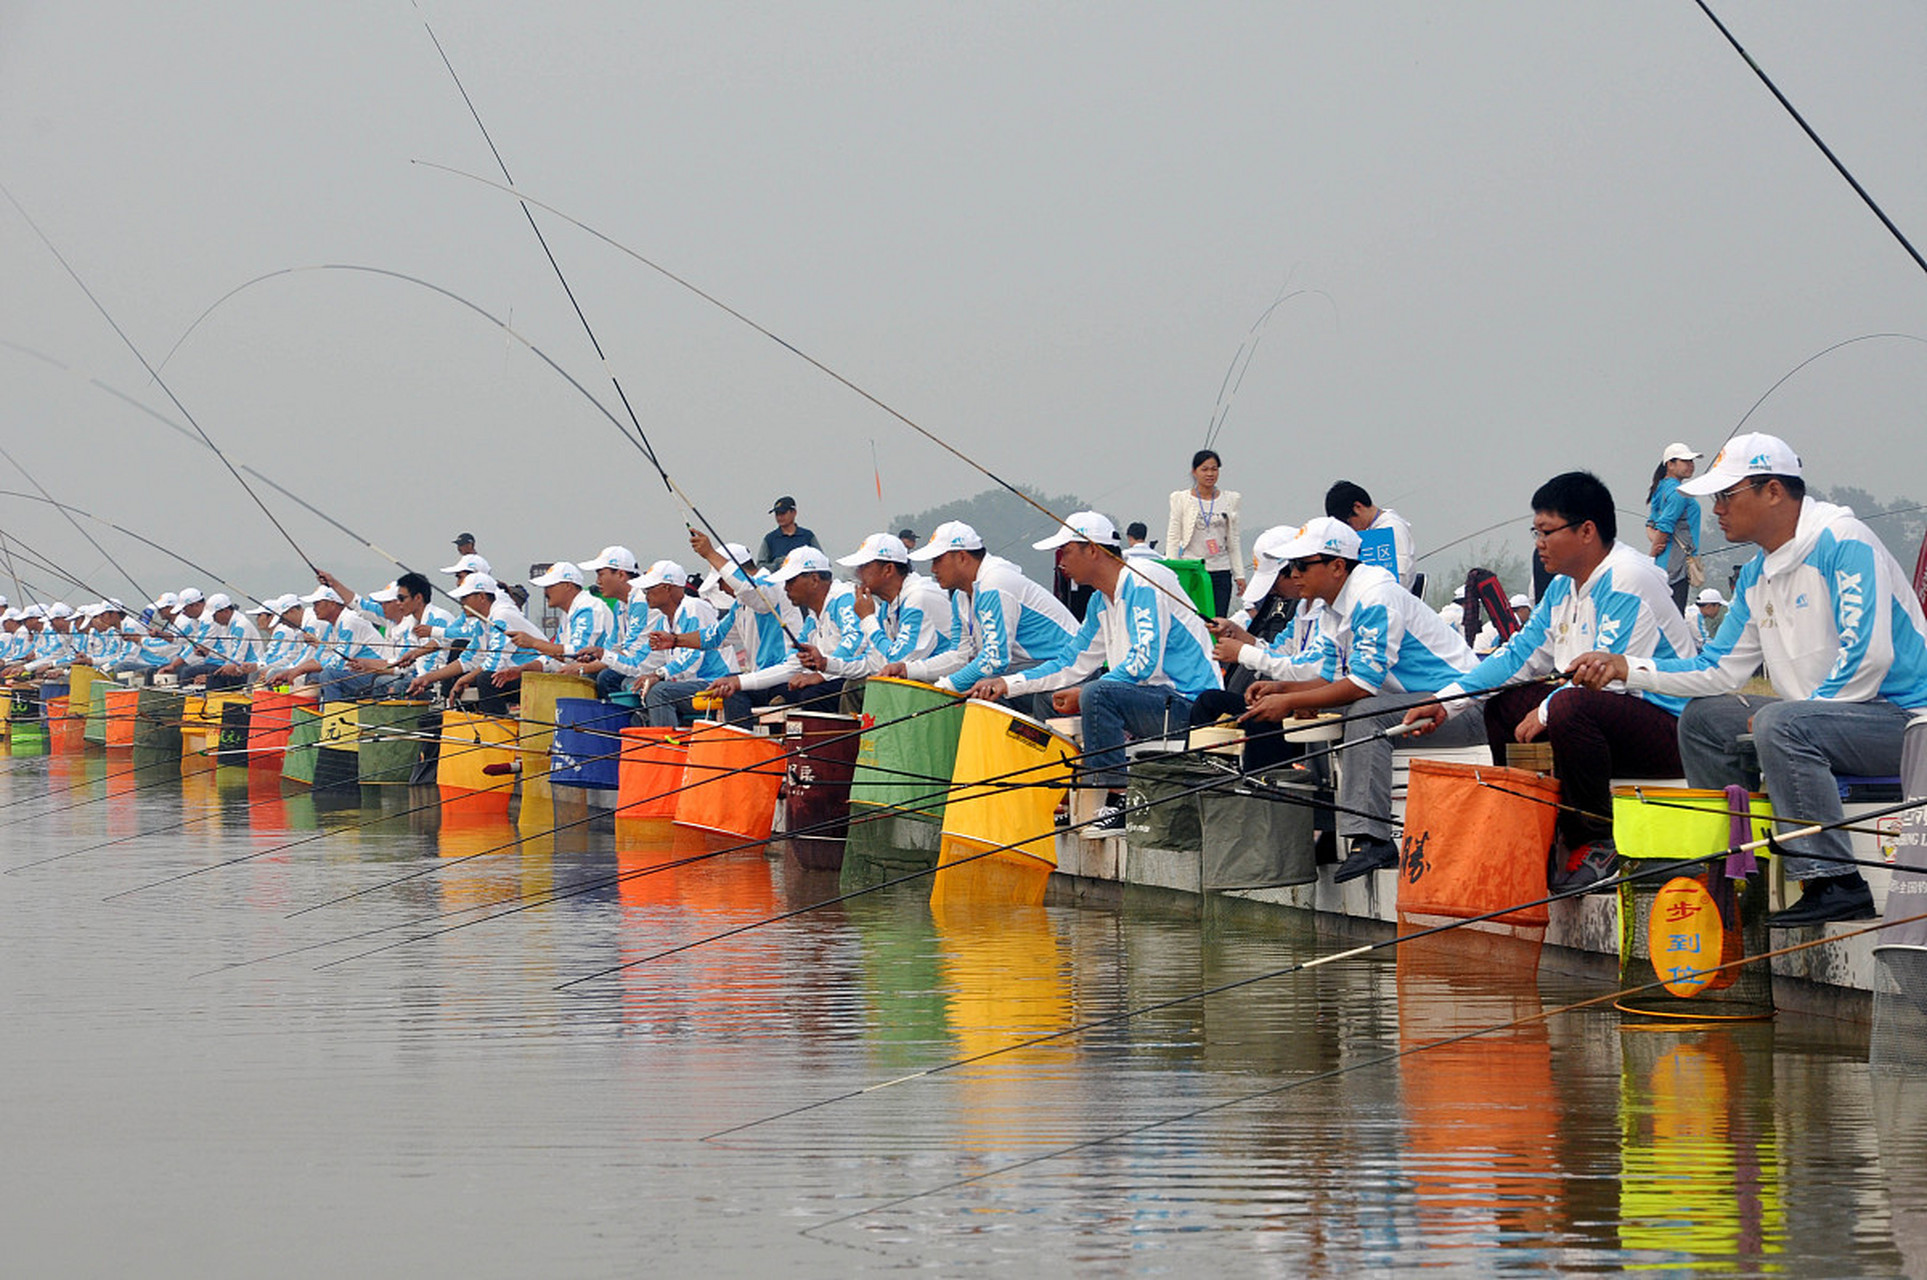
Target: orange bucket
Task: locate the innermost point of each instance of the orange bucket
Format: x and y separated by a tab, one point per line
649	773
270	721
123	709
1476	840
731	781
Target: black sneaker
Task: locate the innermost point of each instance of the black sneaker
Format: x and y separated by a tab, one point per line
1109	822
1587	867
1368	855
1823	901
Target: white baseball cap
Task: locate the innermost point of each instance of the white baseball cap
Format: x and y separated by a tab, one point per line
1266	564
951	535
1752	454
387	595
663	573
1081	526
878	546
191	595
323	595
1710	595
266	606
1520	600
621	559
560	572
476	584
470	563
284	604
1323	536
1677	452
168	600
800	561
60	609
219	601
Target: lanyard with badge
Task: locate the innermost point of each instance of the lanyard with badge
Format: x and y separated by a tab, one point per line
1208	511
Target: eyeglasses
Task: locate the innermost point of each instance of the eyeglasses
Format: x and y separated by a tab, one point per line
1305	562
1540	535
1725	496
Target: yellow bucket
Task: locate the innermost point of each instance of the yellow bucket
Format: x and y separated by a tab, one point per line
1010	775
471	745
1678	822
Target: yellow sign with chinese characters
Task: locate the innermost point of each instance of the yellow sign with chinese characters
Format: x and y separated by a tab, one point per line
1684	933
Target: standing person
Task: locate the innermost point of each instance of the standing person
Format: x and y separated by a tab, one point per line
1604	595
1158	658
1204	526
1673	521
1706	612
465	546
1833	616
1349	502
908	537
786	537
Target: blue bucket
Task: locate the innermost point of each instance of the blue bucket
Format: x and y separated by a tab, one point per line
588	743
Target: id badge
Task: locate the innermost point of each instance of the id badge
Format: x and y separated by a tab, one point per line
1213	547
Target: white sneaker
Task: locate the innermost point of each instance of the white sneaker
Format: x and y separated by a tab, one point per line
1109	822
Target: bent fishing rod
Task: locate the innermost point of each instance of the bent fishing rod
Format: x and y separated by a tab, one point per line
1814	137
1177	597
641	438
154	374
1234	374
1335	1072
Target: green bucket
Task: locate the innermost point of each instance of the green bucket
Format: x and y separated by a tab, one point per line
157	723
303	750
907	765
390	741
96	730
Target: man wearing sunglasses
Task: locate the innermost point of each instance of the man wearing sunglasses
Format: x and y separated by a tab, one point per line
1380	650
1831	615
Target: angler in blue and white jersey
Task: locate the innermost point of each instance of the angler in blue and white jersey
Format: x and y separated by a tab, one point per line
288	644
613	662
13	640
829	645
59	643
1005	622
1673	519
1159	658
587	623
500	647
230	648
1833	618
346	660
905	616
765	618
684	634
1379	649
1706	615
1607	596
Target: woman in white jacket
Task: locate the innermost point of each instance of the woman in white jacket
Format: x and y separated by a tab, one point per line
1204	526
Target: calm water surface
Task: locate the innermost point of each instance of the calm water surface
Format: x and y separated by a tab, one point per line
180	1104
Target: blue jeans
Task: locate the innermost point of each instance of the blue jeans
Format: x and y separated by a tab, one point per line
1801	745
344	685
1115	712
666	705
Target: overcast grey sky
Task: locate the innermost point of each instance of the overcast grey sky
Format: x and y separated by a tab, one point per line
1553	235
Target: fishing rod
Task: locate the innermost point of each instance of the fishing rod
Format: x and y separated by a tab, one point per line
1176	596
91	540
1248	348
154	374
1825	150
1667	869
641	437
1334	1072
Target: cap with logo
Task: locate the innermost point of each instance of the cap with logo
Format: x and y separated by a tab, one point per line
470	563
323	595
1322	537
464	539
476	584
1710	595
784	503
1266	562
663	573
951	535
799	562
1081	526
1677	452
621	559
1744	457
878	546
387	595
191	595
560	572
219	601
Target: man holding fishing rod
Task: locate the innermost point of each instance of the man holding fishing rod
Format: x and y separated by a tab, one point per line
1380	650
1607	596
1004	622
1833	618
1159	659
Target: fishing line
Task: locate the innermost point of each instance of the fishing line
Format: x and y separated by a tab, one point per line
155	375
1248	348
138	588
641	438
1844	342
799	353
1808	129
1334	1072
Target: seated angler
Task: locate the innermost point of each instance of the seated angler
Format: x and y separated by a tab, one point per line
613	662
190	625
1005	624
587	625
829	646
683	633
345	660
59	643
1159	657
14	641
1283	625
499	646
905	616
231	648
1706	615
1834	619
286	643
1603	595
1379	651
756	622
